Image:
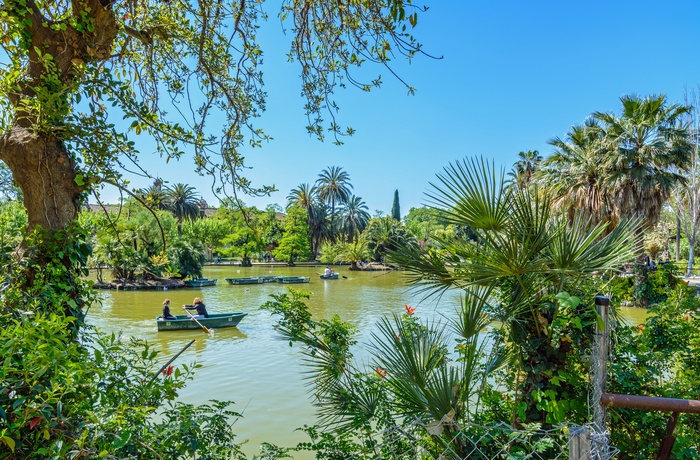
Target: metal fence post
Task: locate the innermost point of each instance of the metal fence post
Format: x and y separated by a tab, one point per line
600	361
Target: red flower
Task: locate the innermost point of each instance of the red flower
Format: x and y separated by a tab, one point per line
640	327
168	371
381	371
410	310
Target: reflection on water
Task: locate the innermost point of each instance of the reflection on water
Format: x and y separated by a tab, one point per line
250	364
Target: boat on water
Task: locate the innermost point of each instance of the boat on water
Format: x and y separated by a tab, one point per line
269	278
293	279
200	282
184	322
246	280
332	276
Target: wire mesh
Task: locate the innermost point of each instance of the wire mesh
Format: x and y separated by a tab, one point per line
446	440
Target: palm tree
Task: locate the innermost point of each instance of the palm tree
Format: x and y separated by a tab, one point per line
530	259
183	201
354	217
648	148
384	234
333	187
154	197
306	197
354	252
575	175
525	168
303	196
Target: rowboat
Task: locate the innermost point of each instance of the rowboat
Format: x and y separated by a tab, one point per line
293	279
269	278
247	280
333	276
200	282
184	322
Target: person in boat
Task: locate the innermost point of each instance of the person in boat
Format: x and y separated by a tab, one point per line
198	305
327	271
166	310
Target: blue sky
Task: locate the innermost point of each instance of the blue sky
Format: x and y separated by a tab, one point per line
513	75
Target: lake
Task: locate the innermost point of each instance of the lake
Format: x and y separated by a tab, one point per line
250	364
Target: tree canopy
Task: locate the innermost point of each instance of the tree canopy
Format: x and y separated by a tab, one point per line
181	76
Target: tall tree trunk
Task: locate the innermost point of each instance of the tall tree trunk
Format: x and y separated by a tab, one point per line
678	237
691	254
46	175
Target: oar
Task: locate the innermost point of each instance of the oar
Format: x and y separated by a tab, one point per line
195	320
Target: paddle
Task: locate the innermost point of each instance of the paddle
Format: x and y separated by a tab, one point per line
195	320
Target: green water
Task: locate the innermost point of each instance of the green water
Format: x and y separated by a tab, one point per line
250	364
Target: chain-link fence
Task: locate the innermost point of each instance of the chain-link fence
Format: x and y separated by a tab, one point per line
447	440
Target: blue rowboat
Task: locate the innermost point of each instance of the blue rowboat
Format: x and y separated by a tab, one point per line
293	279
247	280
184	322
200	282
334	276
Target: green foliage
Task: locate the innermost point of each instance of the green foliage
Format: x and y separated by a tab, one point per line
384	234
423	222
188	259
540	268
99	398
354	252
210	232
43	279
13	221
133	242
250	230
657	358
331	253
415	374
294	244
396	207
655	286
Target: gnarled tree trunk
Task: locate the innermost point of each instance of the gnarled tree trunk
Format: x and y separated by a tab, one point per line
53	55
46	175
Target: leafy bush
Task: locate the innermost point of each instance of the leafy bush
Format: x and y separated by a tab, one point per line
67	391
658	358
655	288
100	397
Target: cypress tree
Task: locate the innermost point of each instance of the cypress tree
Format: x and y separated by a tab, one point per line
395	208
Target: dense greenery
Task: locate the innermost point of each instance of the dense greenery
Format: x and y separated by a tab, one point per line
528	254
658	358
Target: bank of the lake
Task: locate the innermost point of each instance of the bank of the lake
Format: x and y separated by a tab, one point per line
250	364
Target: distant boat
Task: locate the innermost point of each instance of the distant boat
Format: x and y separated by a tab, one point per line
200	282
246	280
293	279
184	322
333	276
269	278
